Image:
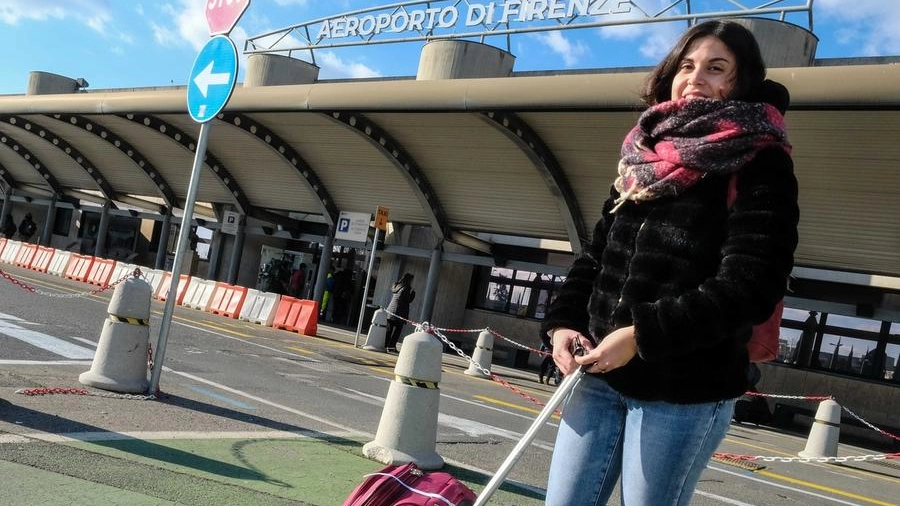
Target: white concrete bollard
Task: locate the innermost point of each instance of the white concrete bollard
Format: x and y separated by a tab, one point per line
120	362
377	331
483	354
407	431
825	431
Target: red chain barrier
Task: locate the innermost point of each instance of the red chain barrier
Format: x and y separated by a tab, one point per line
16	281
53	390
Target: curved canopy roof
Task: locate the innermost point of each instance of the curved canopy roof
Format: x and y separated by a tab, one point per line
526	156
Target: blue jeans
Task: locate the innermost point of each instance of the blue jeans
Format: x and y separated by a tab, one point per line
658	448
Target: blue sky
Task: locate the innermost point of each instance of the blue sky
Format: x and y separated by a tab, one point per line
129	43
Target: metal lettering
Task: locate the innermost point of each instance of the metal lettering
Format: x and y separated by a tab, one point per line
510	8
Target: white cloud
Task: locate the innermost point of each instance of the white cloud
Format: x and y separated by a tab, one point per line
559	44
334	67
869	25
95	14
185	24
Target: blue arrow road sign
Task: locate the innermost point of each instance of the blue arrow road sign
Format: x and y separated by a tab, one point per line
212	79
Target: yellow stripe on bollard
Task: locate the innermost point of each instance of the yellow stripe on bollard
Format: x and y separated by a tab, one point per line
130	321
416	383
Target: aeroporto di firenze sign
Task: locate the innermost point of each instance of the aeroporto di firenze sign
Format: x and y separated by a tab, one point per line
426	18
448	19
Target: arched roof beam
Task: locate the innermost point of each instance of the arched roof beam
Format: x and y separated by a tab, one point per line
8	179
238	196
393	151
545	161
287	152
164	188
48	135
35	162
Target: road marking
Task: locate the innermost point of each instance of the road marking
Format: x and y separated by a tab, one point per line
823	488
752	477
511	405
266	402
28	437
46	342
45	362
726	500
227	400
300	350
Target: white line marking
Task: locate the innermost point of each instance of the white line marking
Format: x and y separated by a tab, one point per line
153	435
267	402
45	362
726	500
47	342
92	344
779	485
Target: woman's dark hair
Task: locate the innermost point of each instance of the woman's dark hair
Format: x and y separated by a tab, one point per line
750	71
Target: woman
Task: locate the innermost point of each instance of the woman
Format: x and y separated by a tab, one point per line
664	298
402	295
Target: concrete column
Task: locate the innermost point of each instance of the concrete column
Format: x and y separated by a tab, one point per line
431	284
276	69
163	240
462	59
782	44
102	229
47	232
324	266
7	206
215	254
237	249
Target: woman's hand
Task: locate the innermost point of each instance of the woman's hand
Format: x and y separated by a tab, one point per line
614	351
561	340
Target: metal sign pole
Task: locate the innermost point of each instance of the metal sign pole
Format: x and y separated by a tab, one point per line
180	248
365	297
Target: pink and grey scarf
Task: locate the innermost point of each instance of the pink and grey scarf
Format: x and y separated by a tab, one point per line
676	143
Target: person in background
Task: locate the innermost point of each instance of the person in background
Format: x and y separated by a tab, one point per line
326	295
9	227
402	295
27	228
545	363
298	281
664	297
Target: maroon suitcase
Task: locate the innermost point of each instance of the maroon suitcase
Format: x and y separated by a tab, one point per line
407	485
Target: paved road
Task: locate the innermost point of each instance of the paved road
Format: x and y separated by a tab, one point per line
252	415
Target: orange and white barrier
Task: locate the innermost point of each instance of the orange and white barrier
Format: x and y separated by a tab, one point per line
101	272
198	294
42	259
227	300
59	262
260	307
297	315
2	244
123	270
166	284
10	251
154	278
25	255
78	267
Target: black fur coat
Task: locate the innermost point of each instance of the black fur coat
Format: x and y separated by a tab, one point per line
692	274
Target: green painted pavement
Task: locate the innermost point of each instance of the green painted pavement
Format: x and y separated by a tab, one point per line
294	471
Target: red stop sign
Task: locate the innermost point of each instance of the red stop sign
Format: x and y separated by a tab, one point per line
222	15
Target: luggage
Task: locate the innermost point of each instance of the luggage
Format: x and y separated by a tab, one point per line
407	485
